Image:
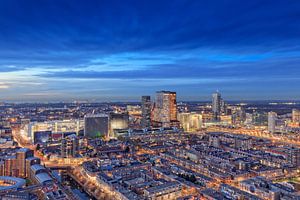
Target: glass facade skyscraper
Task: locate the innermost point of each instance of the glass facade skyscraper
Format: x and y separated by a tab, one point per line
216	105
146	112
166	108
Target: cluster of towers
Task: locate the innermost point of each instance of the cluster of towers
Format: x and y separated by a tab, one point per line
163	112
218	106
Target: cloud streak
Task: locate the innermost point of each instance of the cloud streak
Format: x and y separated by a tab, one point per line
230	45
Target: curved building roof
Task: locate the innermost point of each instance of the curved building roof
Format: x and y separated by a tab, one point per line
9	183
43	178
35	168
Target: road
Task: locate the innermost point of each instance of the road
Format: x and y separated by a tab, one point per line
26	144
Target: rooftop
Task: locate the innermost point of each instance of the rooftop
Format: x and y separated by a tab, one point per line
43	178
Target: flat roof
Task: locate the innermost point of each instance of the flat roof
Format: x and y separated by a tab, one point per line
95	115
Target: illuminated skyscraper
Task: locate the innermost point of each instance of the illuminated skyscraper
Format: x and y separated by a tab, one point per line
96	125
166	108
296	116
216	105
146	111
272	116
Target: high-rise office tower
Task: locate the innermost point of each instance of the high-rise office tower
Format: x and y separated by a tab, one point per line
96	125
272	116
216	105
146	111
296	115
166	108
21	156
223	107
238	116
69	146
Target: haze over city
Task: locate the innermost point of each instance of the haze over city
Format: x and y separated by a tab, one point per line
117	51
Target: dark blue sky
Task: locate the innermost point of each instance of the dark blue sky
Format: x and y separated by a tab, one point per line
119	50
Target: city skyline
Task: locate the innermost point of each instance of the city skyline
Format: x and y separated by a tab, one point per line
150	100
112	51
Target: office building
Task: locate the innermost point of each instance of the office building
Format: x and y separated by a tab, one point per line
226	119
238	115
40	132
216	105
69	146
96	125
118	121
296	116
259	118
18	165
21	156
10	167
134	109
272	116
190	121
166	108
146	112
223	107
